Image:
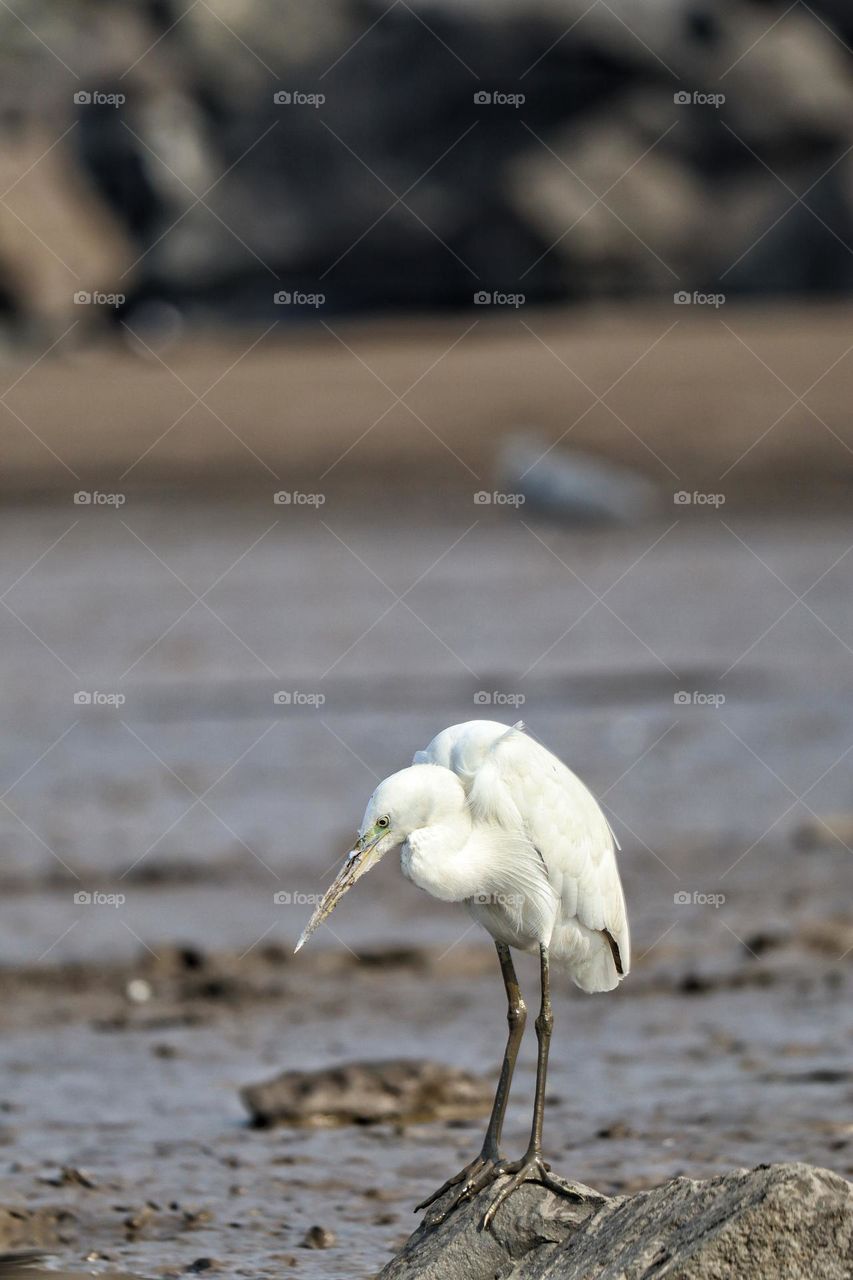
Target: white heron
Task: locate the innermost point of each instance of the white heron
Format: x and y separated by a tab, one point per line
488	817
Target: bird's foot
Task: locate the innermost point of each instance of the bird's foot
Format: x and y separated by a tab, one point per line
471	1180
530	1168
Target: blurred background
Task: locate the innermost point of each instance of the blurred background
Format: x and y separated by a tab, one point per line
368	368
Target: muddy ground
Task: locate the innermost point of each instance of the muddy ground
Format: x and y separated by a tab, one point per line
127	1028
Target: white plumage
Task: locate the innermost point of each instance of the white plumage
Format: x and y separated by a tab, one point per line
488	817
554	877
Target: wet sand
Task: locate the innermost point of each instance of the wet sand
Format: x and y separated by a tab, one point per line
683	394
652	1082
729	1045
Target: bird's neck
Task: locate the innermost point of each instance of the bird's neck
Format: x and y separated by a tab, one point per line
447	859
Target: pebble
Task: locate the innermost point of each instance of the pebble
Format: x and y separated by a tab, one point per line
319	1238
138	990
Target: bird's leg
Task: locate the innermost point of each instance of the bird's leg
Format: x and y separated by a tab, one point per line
531	1167
516	1016
487	1166
544	1027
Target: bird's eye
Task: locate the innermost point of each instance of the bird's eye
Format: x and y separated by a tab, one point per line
384	822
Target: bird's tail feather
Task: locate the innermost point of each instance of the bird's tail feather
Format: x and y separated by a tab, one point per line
589	956
599	973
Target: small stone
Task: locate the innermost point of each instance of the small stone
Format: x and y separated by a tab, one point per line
197	1217
68	1176
136	1221
616	1130
138	991
319	1238
829	832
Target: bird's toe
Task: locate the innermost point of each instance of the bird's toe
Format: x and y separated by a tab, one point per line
469	1182
528	1169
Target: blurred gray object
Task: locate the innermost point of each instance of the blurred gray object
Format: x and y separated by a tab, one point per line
395	1090
575	487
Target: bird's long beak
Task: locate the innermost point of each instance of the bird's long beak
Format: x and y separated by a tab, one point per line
358	860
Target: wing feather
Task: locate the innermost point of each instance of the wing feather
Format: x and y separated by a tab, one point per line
514	783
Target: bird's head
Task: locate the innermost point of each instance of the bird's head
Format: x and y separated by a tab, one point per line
420	796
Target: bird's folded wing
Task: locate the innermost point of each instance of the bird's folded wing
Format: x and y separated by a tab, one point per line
521	786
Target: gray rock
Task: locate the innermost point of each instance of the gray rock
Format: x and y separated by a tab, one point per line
828	832
528	1230
601	183
397	1090
786	1220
